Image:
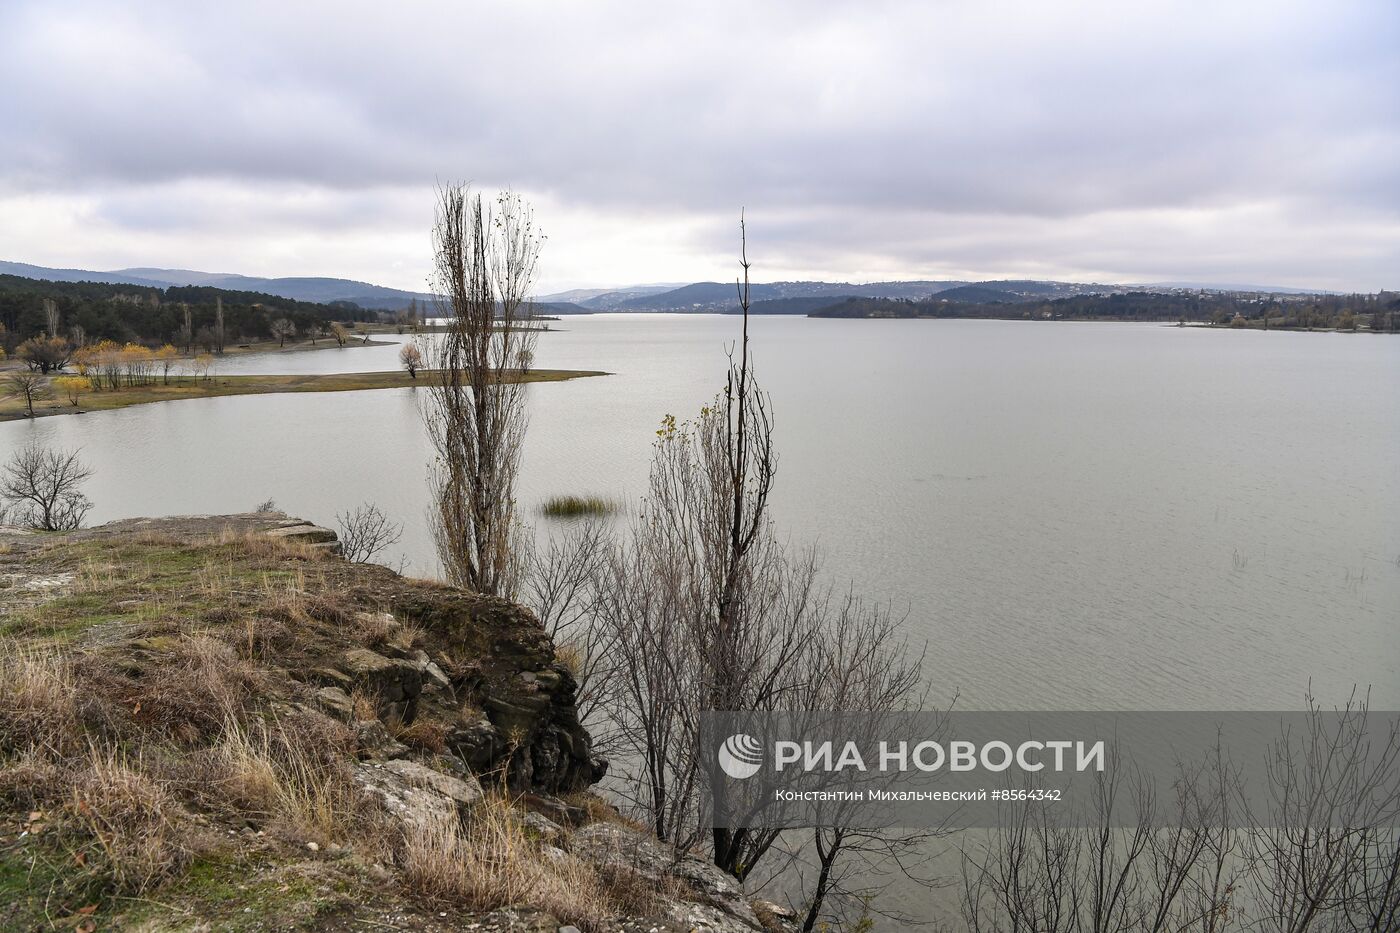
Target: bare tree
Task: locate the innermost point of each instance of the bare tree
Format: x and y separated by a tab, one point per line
560	583
282	329
411	358
365	532
475	410
708	610
339	332
220	335
51	317
1330	854
27	385
42	488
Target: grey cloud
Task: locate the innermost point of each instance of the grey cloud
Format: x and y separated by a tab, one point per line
884	119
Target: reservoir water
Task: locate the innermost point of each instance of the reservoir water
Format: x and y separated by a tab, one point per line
1092	516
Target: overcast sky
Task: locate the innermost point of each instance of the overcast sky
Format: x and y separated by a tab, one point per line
1248	141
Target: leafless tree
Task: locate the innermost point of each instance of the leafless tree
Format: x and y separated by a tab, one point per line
282	329
42	488
51	317
220	335
411	358
187	328
707	609
365	532
339	332
560	583
27	385
1329	857
1321	856
475	410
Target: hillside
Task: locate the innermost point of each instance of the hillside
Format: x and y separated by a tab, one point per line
218	723
107	311
312	289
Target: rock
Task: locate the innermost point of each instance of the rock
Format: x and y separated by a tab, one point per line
409	804
336	703
303	532
465	791
395	682
555	809
618	846
434	675
548	831
374	741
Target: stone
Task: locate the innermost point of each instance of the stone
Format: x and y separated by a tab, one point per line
336	702
615	845
465	791
303	532
410	805
548	831
393	680
374	741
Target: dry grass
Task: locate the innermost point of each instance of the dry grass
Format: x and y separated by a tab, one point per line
492	862
422	734
38	701
132	822
291	776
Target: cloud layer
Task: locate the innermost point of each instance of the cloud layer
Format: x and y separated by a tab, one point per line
1252	141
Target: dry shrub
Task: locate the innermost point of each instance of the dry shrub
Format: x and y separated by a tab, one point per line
29	780
204	681
492	862
132	821
375	629
571	657
423	734
38	701
184	687
364	704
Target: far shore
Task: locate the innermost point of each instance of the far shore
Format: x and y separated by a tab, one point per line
187	387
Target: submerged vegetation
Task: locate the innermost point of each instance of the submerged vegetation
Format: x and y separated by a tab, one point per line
578	506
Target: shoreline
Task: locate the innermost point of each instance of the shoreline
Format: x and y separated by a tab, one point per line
12	409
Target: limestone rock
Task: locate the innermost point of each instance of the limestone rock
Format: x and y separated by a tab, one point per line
724	908
465	790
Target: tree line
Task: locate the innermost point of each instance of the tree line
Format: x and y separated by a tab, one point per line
188	317
1378	312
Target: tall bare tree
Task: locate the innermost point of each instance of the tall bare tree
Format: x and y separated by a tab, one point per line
51	316
475	409
706	609
220	336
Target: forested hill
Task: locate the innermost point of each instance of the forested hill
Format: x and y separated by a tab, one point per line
93	311
1380	311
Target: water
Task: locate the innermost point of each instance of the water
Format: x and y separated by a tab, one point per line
1094	516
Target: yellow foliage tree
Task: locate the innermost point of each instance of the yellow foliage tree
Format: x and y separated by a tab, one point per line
72	387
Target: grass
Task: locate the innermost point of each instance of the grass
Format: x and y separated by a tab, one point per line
491	860
12	409
577	506
168	770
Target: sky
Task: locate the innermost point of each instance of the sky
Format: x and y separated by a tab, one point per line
1241	142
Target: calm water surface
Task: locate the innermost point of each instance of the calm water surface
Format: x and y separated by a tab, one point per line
1074	515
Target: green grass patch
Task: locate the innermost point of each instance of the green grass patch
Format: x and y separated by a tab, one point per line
578	506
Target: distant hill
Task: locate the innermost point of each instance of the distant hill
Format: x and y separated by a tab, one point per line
712	297
318	290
